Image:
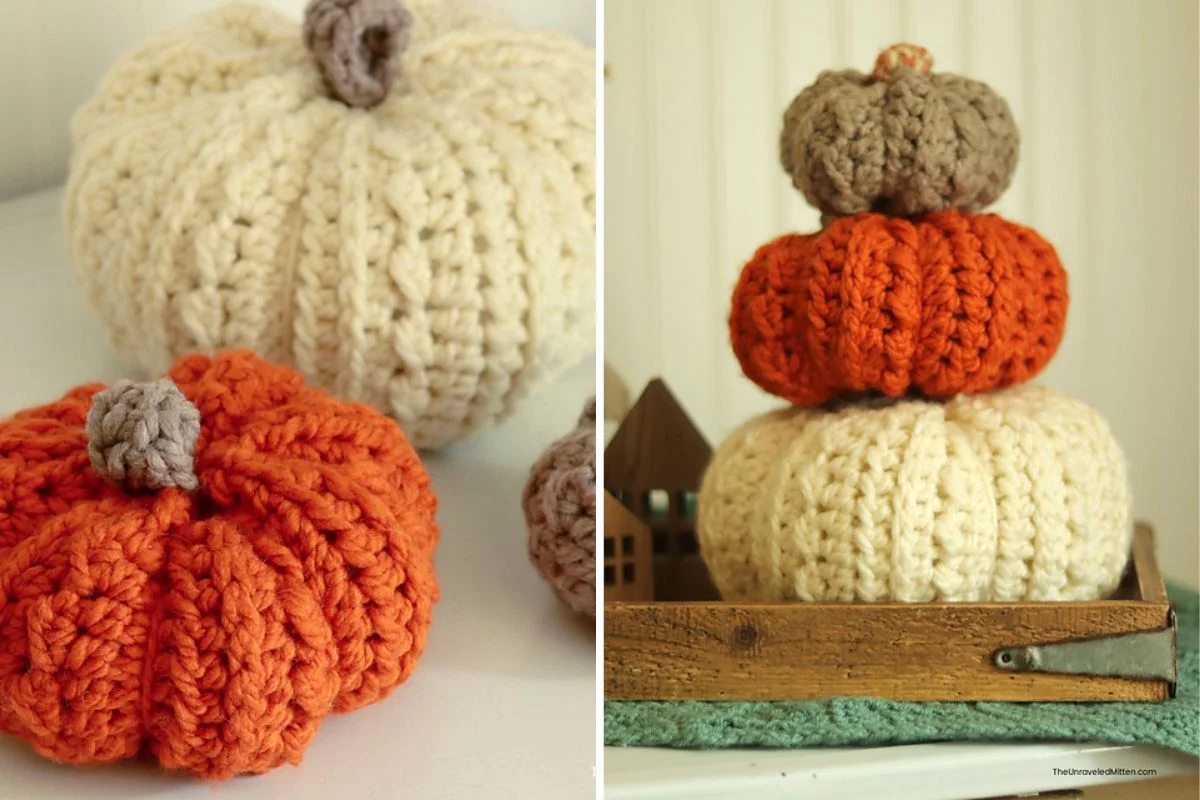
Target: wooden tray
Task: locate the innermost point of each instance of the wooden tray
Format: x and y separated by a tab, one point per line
924	651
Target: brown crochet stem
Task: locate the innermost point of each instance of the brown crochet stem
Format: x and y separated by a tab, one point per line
357	46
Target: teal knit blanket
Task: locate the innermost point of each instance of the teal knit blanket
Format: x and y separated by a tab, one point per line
1174	724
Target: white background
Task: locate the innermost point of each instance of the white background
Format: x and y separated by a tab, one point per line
1105	95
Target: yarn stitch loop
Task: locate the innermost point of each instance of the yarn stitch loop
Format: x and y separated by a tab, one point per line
357	45
909	56
143	435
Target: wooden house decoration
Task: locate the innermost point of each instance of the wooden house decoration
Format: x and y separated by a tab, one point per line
628	565
653	467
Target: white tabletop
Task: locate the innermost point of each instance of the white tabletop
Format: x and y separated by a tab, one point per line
910	772
503	702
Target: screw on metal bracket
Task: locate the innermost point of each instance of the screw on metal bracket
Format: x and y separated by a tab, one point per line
1145	655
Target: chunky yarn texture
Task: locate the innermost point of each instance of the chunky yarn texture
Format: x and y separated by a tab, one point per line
217	627
904	145
560	510
432	255
947	303
143	435
357	45
1020	494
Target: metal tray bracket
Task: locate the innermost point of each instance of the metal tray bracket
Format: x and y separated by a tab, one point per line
1148	655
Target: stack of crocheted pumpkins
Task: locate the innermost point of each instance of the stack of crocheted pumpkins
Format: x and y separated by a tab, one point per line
917	462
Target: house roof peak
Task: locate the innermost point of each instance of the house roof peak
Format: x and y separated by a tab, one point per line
657	446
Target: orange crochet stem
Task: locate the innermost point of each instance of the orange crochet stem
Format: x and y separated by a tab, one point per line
950	302
218	627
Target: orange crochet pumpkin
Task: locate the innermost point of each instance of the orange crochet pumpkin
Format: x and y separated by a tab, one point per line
948	302
273	564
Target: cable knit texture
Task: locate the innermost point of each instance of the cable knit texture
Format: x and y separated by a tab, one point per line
901	141
856	722
432	256
215	628
947	303
357	45
560	510
143	435
1017	495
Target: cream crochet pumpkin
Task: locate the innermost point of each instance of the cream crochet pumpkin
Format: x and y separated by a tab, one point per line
1016	495
431	255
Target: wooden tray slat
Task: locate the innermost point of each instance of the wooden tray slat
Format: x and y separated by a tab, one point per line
1144	567
925	651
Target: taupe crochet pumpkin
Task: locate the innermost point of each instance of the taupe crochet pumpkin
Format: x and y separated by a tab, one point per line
901	141
560	510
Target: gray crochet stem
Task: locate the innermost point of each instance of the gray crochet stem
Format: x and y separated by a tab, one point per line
357	45
143	435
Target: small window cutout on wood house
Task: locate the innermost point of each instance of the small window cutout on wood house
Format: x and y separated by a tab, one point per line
658	504
628	563
687	505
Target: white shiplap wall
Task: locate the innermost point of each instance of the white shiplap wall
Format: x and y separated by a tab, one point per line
53	54
1105	94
